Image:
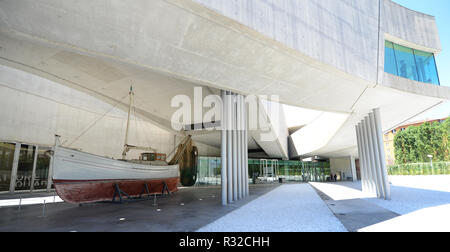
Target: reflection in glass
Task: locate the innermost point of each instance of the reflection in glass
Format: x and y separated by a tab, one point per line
406	64
25	167
6	163
209	170
390	66
42	167
411	64
426	67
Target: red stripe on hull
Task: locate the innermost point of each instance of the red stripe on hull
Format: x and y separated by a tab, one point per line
76	192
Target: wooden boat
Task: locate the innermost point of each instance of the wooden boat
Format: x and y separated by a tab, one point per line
85	178
81	177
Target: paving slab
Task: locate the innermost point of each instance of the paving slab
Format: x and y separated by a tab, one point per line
288	208
355	214
183	211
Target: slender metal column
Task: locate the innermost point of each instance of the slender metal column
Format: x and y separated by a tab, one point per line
371	157
384	174
364	158
361	158
376	151
365	173
234	147
50	168
244	194
244	148
369	181
241	132
33	173
239	146
229	148
223	149
247	193
12	184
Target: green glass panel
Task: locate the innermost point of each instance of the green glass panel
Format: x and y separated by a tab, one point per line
406	65
426	67
6	162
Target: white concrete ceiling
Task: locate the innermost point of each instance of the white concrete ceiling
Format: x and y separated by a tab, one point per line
165	48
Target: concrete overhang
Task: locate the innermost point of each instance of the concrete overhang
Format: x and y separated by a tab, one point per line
179	39
399	100
166	48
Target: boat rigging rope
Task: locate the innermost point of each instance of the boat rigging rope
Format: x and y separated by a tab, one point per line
94	123
139	124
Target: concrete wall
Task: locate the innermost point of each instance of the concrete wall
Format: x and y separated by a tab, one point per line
277	146
34	109
410	26
344	34
340	33
343	165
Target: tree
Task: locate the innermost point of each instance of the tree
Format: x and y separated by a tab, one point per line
414	144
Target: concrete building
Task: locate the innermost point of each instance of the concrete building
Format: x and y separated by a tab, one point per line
66	67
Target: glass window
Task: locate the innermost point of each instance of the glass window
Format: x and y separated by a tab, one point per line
411	64
6	163
25	167
390	65
406	64
426	67
42	166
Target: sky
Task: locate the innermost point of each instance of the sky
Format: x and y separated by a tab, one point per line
440	9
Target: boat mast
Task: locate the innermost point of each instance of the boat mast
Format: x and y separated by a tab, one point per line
125	147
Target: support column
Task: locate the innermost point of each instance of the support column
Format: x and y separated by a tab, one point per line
361	158
12	184
376	151
364	159
384	175
369	135
247	193
224	121
244	148
239	146
33	172
229	148
235	191
369	159
353	168
234	148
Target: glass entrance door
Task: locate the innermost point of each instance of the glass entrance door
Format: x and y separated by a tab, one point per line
42	166
25	167
6	163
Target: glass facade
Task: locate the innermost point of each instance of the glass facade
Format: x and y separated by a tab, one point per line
6	164
32	167
42	166
209	170
25	167
410	63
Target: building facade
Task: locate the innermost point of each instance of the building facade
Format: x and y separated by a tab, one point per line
66	67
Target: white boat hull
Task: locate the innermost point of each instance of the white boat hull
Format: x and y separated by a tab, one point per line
82	177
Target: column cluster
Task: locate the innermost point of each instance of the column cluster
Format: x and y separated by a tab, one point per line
374	176
234	149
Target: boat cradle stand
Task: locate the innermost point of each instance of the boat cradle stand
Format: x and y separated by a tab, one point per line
118	192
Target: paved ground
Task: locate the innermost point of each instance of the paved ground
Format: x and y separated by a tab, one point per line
184	211
354	214
418	204
422	203
288	208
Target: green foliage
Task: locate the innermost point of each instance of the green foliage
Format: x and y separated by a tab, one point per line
414	144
